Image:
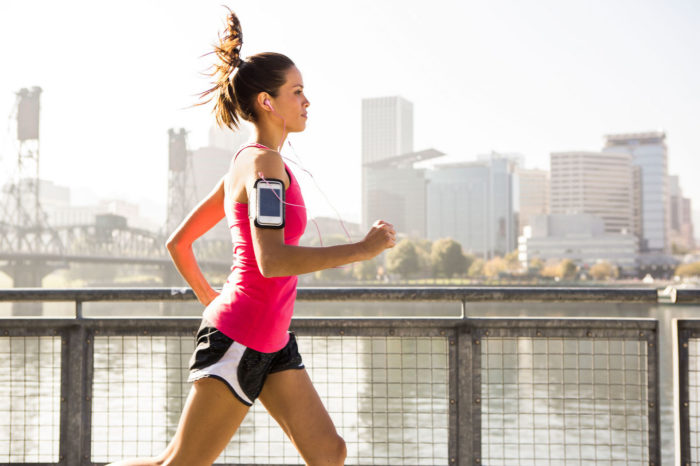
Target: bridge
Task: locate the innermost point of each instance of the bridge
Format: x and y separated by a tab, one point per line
31	247
28	254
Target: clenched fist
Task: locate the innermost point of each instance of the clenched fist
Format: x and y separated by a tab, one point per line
381	236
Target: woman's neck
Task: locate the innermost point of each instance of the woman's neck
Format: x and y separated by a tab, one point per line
269	136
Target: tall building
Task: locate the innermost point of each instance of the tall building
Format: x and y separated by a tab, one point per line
681	217
595	183
472	202
387	128
396	192
532	193
649	153
387	132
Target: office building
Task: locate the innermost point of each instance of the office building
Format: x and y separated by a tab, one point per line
532	192
472	202
681	217
649	153
580	237
600	184
387	132
387	128
396	192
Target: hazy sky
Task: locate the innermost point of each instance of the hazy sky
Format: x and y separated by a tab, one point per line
512	76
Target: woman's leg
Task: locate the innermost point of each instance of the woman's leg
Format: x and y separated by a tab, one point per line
293	401
209	419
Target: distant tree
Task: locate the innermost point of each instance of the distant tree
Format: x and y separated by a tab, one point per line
423	244
423	248
448	259
495	266
688	270
512	261
550	271
567	269
365	270
536	265
476	269
403	259
603	271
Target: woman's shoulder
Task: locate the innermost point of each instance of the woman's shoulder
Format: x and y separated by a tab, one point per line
252	161
255	155
258	158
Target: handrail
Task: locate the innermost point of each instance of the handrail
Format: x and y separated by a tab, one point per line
390	293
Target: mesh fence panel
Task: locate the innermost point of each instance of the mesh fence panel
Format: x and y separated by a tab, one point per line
388	397
30	399
556	401
694	398
138	391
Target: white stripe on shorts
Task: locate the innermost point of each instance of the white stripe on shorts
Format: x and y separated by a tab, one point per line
226	368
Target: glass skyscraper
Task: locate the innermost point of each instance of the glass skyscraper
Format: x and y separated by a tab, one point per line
649	153
472	203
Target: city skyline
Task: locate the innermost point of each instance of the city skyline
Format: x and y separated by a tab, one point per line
106	114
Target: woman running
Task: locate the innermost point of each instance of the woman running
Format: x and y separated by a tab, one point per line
244	349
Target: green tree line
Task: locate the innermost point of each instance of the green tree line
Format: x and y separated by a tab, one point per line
415	259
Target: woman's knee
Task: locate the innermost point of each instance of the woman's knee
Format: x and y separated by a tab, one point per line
340	451
329	451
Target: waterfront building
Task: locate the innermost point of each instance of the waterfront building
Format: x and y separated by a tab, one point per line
387	132
595	183
579	237
680	209
472	202
649	153
532	192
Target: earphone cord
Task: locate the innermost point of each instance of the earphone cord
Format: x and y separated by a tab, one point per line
279	150
284	127
298	164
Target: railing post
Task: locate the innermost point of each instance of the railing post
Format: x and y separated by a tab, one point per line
468	431
75	400
684	335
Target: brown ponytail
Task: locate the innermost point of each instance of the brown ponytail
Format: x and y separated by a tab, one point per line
235	93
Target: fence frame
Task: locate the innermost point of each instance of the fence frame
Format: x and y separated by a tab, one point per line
463	335
687	329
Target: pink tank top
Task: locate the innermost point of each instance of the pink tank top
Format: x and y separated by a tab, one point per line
251	309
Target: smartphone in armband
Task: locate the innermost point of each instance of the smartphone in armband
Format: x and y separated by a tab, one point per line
266	203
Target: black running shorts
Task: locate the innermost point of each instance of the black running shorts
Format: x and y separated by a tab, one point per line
242	369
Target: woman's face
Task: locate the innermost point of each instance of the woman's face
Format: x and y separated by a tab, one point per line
291	103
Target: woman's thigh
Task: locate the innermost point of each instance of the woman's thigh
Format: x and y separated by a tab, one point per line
290	397
211	416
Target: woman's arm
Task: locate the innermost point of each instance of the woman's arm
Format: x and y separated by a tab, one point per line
277	259
202	218
281	260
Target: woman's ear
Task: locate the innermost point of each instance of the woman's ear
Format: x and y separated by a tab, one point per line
264	101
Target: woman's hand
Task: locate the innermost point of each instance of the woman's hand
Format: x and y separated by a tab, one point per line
380	237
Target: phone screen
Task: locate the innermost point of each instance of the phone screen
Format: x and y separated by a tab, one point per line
270	202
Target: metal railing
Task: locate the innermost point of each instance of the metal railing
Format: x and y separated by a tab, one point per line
401	391
689	390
